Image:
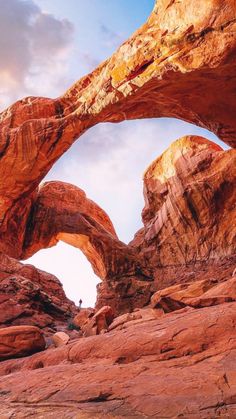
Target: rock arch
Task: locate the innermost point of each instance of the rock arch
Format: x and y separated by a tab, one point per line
162	70
184	53
61	211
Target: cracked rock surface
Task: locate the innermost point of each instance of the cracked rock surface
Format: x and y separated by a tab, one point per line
181	364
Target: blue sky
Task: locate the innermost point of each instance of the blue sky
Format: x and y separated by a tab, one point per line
48	45
100	26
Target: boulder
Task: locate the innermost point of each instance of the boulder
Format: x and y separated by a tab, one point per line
99	322
60	339
219	294
203	293
19	341
83	316
180	295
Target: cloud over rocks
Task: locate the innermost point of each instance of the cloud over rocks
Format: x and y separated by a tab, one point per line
110	37
33	47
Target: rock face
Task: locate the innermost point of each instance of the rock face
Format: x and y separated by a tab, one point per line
190	195
183	54
189	205
31	297
17	341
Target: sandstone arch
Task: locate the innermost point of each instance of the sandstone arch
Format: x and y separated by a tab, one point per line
167	68
183	54
60	211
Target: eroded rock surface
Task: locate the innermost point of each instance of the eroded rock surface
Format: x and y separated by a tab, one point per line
17	341
180	364
29	296
184	54
190	195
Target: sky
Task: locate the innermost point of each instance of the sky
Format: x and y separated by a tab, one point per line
45	46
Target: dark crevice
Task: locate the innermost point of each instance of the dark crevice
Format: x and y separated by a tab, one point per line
103	397
194	36
58	137
139	69
5	147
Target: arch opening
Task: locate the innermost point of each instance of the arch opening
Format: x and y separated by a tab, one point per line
73	270
108	163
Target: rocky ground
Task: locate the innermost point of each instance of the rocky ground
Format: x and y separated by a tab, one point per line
154	362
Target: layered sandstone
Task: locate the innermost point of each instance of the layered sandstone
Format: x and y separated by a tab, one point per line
17	341
29	296
183	54
189	207
190	195
180	364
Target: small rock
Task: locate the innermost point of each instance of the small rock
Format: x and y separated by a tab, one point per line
60	339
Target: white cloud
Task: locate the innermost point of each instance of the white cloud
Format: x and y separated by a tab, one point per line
34	48
111	38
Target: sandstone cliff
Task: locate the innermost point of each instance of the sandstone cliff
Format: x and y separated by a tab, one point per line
29	296
190	195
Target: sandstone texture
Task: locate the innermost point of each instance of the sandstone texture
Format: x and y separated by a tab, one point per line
190	196
60	339
180	364
182	55
161	341
16	341
29	296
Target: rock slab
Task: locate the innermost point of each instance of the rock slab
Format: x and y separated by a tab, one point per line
19	341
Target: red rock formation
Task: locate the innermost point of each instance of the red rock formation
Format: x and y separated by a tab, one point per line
197	294
181	364
19	341
60	211
184	54
167	68
31	297
190	195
